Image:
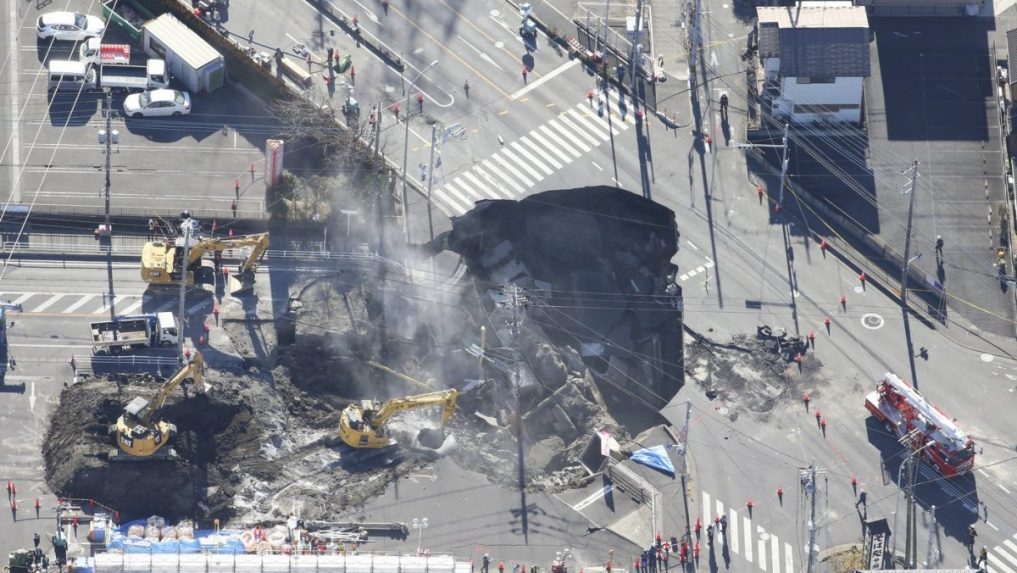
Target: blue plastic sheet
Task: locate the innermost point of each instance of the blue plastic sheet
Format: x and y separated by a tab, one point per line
655	457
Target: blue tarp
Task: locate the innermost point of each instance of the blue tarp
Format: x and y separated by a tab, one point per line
655	457
205	537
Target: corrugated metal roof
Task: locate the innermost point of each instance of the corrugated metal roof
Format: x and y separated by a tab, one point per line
186	44
812	16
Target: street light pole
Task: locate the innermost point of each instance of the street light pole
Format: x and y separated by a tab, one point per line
406	152
420	525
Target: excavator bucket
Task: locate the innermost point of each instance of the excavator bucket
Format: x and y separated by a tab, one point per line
241	285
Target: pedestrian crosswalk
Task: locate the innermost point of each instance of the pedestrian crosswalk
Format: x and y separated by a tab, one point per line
73	304
746	540
1003	557
520	165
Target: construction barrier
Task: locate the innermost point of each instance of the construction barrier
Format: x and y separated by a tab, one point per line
241	563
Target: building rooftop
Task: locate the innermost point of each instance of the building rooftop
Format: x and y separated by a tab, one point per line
814	15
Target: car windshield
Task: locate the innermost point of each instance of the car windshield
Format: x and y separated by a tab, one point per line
179	98
145	99
80	21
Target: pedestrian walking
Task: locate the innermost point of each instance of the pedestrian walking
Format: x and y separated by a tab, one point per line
501	567
939	246
983	558
250	37
862	500
972	535
723	524
486	562
709	534
515	568
151	229
36	539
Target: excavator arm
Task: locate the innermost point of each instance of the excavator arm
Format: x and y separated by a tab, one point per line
193	370
259	243
446	399
160	264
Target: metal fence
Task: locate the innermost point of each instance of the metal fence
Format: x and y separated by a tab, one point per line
211	562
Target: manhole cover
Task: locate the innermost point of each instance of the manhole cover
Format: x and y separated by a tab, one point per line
495	13
764	536
859	290
872	321
499	45
988	357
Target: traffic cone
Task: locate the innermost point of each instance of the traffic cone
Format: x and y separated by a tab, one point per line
699	526
854	484
748	506
14	489
805	400
780	496
38	507
822	425
818	416
252	171
201	340
74	524
843	302
798	359
823	246
827	322
812	339
862	278
759	193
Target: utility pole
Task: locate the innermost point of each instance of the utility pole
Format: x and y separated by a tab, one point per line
186	224
909	188
515	302
430	181
109	152
783	165
932	555
634	57
811	487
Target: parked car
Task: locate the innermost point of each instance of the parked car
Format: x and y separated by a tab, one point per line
157	103
69	26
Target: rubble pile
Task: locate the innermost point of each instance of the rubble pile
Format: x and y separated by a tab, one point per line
599	342
753	373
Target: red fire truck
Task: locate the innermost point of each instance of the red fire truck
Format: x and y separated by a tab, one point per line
904	410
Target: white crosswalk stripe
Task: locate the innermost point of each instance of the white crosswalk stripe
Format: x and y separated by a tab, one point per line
518	148
84	300
766	551
589	125
519	165
510	167
457	198
564	132
137	305
1007	551
499	186
549	148
546	157
509	155
561	145
50	302
479	189
590	138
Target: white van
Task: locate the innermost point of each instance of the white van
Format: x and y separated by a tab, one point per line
69	75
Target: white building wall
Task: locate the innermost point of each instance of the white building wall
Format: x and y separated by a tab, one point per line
839	101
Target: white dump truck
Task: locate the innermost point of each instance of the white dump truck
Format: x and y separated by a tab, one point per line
125	333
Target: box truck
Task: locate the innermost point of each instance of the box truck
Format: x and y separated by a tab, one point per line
189	59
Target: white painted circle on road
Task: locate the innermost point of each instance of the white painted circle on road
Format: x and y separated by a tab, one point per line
859	290
764	536
872	321
418	51
722	411
499	44
495	13
730	35
988	357
389	89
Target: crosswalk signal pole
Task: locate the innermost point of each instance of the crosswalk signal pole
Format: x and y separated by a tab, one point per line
811	489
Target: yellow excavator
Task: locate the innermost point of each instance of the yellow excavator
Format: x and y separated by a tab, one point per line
140	433
362	424
160	260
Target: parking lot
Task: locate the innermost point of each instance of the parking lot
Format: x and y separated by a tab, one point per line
930	99
160	166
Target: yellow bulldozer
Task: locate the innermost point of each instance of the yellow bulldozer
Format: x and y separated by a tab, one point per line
140	432
363	424
161	260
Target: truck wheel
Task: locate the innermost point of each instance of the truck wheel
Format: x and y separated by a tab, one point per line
165	343
176	113
137	116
